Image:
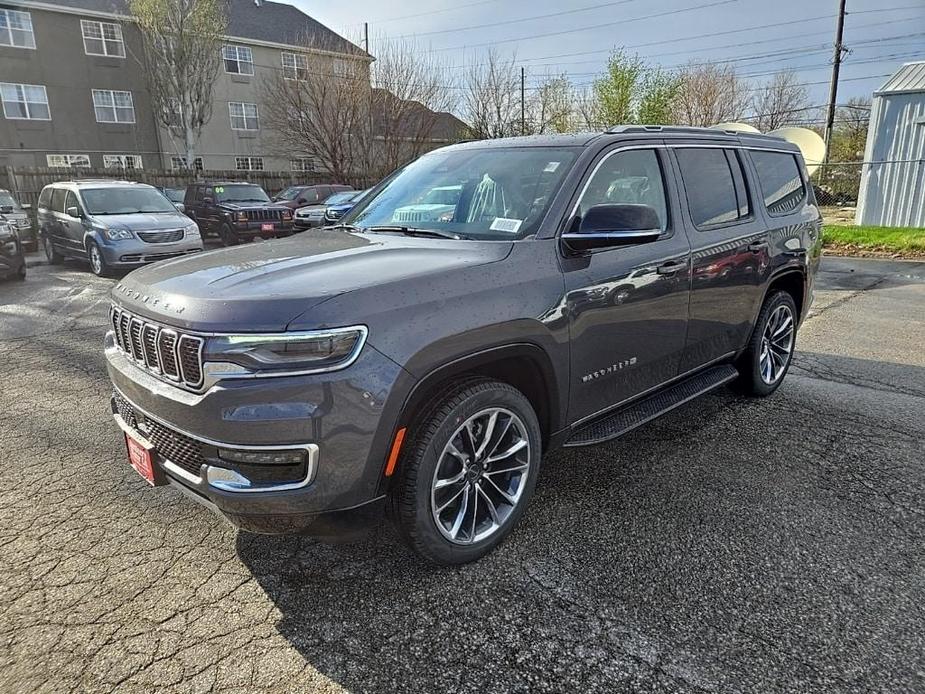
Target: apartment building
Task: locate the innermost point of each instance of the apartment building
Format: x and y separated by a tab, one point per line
73	88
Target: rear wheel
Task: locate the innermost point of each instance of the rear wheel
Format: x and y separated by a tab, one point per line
51	253
767	358
468	473
97	260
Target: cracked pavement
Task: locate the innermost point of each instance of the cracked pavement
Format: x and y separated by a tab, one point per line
733	545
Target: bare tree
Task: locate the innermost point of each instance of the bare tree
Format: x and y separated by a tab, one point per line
182	41
551	109
409	102
780	101
491	97
320	109
710	93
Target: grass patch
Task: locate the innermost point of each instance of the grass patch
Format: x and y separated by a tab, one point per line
883	239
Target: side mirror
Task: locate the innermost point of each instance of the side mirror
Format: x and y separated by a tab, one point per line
72	212
607	226
180	206
207	200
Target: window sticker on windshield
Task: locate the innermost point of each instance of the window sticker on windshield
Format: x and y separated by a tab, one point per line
551	167
220	189
509	225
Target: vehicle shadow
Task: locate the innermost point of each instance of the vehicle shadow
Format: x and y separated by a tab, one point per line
727	545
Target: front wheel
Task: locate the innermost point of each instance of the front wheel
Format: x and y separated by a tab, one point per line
51	253
97	260
468	473
767	357
229	237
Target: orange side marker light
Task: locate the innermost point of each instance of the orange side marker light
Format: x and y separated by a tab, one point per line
393	454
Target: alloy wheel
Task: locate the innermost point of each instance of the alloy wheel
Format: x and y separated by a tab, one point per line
480	476
776	345
49	248
96	260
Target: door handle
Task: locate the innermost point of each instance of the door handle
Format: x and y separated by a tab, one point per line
671	267
758	246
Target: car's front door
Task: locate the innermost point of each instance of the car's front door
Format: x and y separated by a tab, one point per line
627	305
73	225
729	251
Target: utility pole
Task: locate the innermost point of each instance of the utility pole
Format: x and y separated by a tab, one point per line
366	36
833	87
523	102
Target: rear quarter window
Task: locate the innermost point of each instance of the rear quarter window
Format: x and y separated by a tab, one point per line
781	183
45	197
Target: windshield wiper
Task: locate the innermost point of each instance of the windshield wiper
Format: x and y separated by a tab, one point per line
348	227
413	231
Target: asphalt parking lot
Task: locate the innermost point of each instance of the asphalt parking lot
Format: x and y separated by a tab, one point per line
732	546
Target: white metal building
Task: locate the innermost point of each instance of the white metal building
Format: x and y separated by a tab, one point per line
893	178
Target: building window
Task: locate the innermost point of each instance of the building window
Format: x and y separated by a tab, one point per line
121	161
295	66
243	116
238	60
113	107
24	101
102	38
248	163
180	163
68	161
341	67
16	29
302	164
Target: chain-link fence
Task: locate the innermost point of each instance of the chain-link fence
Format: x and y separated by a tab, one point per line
837	186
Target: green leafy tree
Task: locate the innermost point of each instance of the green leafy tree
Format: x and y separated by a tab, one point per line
631	91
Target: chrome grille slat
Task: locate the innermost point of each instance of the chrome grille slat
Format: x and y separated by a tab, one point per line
170	354
168	236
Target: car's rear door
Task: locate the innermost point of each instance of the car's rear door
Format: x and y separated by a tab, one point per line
729	250
627	305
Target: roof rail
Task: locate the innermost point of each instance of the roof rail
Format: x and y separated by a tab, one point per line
681	130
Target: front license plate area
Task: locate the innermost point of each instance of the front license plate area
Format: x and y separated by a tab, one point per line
141	457
266	227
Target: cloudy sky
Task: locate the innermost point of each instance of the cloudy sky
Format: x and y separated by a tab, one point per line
575	37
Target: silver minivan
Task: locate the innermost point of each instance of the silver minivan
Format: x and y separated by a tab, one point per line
116	225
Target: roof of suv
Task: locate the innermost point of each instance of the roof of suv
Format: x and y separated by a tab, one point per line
97	182
636	131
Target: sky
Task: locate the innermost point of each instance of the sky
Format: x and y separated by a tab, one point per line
576	36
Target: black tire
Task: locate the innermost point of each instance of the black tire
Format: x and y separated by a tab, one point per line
228	235
750	380
410	503
97	260
51	253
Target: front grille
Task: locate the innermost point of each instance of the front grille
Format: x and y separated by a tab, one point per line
179	449
410	216
169	236
264	215
167	353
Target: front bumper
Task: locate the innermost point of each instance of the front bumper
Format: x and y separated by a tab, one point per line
341	417
131	253
254	229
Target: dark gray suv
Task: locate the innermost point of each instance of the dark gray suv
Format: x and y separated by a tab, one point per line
419	359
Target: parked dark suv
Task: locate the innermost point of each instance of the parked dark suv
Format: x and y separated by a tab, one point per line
236	211
578	287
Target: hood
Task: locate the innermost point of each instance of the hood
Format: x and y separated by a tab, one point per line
142	221
264	286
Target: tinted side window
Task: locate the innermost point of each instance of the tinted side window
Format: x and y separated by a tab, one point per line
45	197
630	177
57	199
712	191
781	183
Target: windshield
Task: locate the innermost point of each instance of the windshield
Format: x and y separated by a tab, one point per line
7	200
492	193
338	198
175	194
289	193
240	193
125	201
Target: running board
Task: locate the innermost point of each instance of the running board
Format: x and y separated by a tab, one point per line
627	418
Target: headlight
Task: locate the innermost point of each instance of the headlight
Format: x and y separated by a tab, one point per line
305	352
192	230
115	234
